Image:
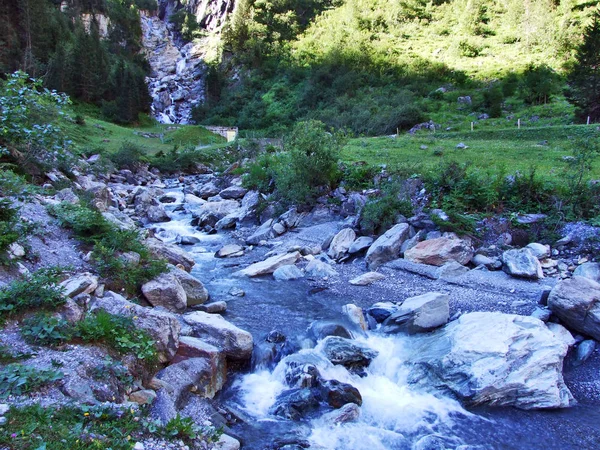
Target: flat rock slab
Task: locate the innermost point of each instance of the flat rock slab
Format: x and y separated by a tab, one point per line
269	265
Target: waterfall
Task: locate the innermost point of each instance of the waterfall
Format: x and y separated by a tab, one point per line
177	81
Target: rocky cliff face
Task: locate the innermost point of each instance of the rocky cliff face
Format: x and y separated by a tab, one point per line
177	82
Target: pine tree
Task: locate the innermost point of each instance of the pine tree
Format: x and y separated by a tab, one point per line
584	79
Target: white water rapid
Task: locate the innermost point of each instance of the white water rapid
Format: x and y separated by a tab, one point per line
392	416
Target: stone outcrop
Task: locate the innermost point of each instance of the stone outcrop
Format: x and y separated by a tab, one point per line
212	328
496	359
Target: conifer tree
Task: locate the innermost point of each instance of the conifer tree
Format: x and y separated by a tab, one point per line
585	76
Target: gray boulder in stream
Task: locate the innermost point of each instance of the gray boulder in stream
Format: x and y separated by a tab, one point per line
212	328
496	359
387	247
577	303
348	353
419	314
522	263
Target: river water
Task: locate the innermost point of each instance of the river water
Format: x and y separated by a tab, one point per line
394	414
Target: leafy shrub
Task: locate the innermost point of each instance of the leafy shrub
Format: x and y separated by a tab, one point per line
110	368
539	84
39	290
117	332
380	214
312	157
129	156
18	379
87	223
42	329
260	175
359	176
9	232
71	428
183	428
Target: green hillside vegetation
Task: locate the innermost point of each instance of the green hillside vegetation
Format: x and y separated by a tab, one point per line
374	66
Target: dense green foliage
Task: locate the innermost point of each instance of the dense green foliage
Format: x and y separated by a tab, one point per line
67	50
93	427
109	243
29	116
40	290
372	65
306	168
18	379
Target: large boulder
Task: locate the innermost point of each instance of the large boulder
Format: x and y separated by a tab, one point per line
233	192
361	243
171	253
576	302
287	273
262	233
191	347
212	328
269	265
522	263
319	269
165	290
419	314
387	247
210	213
588	270
437	252
496	359
195	291
161	325
341	243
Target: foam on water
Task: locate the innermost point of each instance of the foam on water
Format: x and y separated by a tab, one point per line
392	414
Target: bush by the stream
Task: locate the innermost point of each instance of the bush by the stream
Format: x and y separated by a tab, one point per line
381	213
85	427
109	243
39	290
117	332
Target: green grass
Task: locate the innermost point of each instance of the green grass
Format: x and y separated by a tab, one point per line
500	148
100	136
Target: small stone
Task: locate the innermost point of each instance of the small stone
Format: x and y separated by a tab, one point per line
4	408
230	251
213	308
287	273
584	351
143	397
279	229
138	446
236	292
367	278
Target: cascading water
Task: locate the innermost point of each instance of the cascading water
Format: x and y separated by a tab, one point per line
177	82
396	412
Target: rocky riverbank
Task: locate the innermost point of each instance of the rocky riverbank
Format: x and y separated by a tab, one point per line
322	311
